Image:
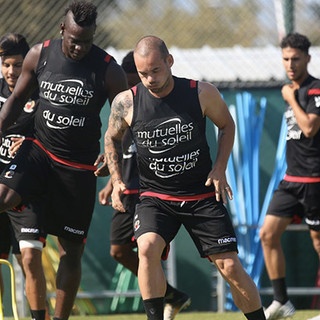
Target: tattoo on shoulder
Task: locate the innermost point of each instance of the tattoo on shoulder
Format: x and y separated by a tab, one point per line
120	108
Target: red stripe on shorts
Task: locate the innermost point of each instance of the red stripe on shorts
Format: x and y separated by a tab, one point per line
63	161
177	198
301	179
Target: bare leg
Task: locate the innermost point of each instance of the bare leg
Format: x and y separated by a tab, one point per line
315	236
8	198
124	254
244	292
68	277
151	278
35	279
270	235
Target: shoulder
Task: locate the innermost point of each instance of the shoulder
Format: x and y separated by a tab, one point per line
124	99
208	90
122	106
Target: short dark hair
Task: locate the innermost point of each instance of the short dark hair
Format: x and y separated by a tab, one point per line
13	44
84	13
128	64
296	41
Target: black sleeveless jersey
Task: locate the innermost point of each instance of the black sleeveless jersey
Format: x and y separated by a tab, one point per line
22	127
71	97
303	154
170	135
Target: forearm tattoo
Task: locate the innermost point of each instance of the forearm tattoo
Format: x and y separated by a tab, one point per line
117	126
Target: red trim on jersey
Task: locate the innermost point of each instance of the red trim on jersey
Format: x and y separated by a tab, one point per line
177	198
314	91
107	58
4	256
64	161
134	90
193	84
132	191
301	179
46	43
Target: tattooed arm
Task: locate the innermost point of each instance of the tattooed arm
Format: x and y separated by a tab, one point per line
119	120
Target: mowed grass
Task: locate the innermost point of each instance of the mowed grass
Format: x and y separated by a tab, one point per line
300	315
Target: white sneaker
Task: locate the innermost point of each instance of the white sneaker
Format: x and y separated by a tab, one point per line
173	306
315	318
276	310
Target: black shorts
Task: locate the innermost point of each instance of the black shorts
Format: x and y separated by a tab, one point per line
297	200
67	193
27	223
7	237
207	221
121	231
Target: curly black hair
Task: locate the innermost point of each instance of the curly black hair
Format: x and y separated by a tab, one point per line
84	13
13	44
296	41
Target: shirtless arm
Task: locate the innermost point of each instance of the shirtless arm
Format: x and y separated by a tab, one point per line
25	86
115	82
217	111
119	120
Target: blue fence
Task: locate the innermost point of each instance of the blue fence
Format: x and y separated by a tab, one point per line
243	176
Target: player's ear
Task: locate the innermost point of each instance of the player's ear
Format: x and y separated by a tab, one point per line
62	26
170	60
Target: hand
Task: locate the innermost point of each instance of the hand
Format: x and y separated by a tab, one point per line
218	179
17	142
103	170
105	194
288	91
118	188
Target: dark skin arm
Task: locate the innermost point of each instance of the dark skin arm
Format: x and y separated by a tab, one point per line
25	86
115	82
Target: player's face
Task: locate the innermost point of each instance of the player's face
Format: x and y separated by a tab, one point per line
77	40
295	63
155	72
11	67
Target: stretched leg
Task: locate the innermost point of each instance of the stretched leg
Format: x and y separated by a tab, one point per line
244	292
68	277
35	280
151	278
270	235
124	254
315	236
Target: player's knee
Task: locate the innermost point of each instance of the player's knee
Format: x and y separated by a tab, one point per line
31	255
229	268
266	236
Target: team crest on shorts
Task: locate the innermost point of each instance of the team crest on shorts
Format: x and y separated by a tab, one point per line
136	225
28	107
9	174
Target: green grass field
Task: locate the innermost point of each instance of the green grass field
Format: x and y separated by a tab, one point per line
300	315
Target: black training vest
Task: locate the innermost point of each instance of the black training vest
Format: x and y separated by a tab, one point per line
71	97
170	135
303	154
